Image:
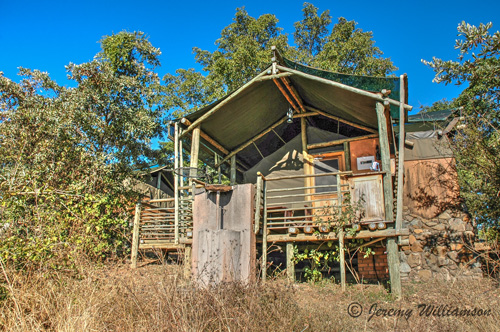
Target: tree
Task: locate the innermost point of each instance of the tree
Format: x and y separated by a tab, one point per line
243	50
477	144
440	105
66	154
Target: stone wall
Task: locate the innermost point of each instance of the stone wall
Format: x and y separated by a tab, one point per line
438	247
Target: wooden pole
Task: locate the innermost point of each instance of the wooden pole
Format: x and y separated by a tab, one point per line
290	265
352	124
135	235
233	170
344	87
340	141
303	133
207	138
258	202
341	235
187	261
264	237
222	103
177	180
392	246
292	91
386	161
347	156
286	96
243	146
195	149
401	156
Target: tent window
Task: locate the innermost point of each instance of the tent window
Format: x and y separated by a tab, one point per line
326	166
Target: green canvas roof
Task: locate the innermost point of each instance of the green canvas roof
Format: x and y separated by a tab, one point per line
258	105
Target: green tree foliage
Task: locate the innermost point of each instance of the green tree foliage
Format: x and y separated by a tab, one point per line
440	105
477	143
244	50
66	154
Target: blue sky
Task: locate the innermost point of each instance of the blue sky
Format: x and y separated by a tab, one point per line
47	35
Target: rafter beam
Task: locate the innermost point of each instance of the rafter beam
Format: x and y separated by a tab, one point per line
206	137
352	124
294	93
339	141
283	92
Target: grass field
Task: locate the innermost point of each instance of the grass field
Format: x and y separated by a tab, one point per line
158	298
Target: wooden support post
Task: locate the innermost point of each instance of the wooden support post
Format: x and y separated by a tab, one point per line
233	170
342	259
347	156
181	162
401	156
264	237
195	149
135	235
290	265
258	202
177	180
392	246
187	262
341	234
386	161
303	132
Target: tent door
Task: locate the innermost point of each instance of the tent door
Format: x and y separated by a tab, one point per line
325	194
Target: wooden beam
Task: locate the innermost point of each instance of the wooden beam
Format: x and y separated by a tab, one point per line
272	77
290	265
304	115
303	134
244	145
233	170
286	95
347	156
352	124
135	235
344	87
177	180
294	93
401	156
392	246
207	138
222	103
340	141
386	161
264	236
195	149
332	236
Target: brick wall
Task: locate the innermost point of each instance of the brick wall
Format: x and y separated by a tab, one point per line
373	267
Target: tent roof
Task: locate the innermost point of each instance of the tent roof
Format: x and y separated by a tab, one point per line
248	111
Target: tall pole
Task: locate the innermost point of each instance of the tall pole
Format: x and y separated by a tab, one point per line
392	246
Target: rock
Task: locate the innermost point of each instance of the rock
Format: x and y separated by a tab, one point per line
456	246
404	268
425	275
441	251
414	260
418	231
457	225
402	257
445	215
416	223
439	227
453	256
412	239
442	261
417	247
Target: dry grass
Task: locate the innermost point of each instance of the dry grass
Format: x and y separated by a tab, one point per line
158	298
